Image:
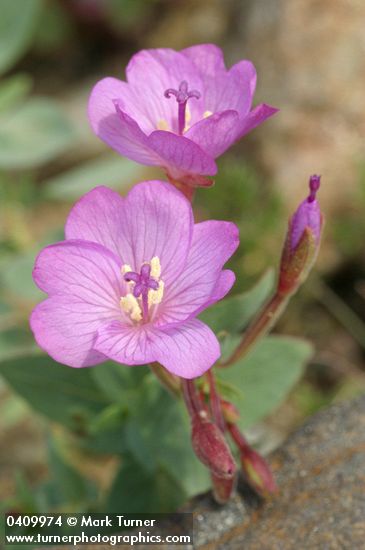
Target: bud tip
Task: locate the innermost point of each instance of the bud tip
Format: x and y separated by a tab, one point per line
314	185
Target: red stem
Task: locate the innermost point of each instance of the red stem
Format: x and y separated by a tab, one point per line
238	437
192	400
215	402
258	328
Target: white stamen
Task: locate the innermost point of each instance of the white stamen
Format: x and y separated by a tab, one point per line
130	305
126	269
155	267
155	296
187	118
207	113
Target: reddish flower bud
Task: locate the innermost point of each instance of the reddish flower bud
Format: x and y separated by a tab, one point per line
302	241
230	412
223	488
257	472
211	447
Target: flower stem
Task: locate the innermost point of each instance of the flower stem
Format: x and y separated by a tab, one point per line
237	437
192	400
259	327
171	382
187	190
215	402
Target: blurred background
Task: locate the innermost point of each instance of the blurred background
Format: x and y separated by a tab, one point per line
310	59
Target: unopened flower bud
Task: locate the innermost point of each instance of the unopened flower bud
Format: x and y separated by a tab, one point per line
211	447
223	488
302	241
257	472
230	412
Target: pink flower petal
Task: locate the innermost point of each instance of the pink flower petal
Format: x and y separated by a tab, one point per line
224	89
66	329
129	345
181	155
258	115
188	350
158	221
213	244
98	217
242	84
215	133
208	58
151	72
85	270
153	220
224	284
120	130
85	286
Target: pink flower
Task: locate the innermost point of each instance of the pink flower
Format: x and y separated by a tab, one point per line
130	279
179	110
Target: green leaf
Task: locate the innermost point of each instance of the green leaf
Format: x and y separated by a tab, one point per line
135	490
158	434
155	427
25	496
264	378
119	382
66	487
35	133
13	90
110	418
63	394
17	24
232	314
110	440
110	170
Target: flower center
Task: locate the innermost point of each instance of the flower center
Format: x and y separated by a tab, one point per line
182	96
145	289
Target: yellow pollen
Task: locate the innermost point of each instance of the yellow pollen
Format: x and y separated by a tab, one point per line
126	269
130	305
155	267
155	296
187	114
187	119
207	113
162	124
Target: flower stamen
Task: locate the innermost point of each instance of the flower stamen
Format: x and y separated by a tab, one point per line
182	96
145	289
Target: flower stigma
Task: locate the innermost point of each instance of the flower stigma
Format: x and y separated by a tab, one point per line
145	289
182	96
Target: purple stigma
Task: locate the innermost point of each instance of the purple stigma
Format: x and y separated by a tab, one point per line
143	283
314	184
182	95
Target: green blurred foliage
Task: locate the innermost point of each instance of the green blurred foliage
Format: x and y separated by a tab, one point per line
243	197
17	25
